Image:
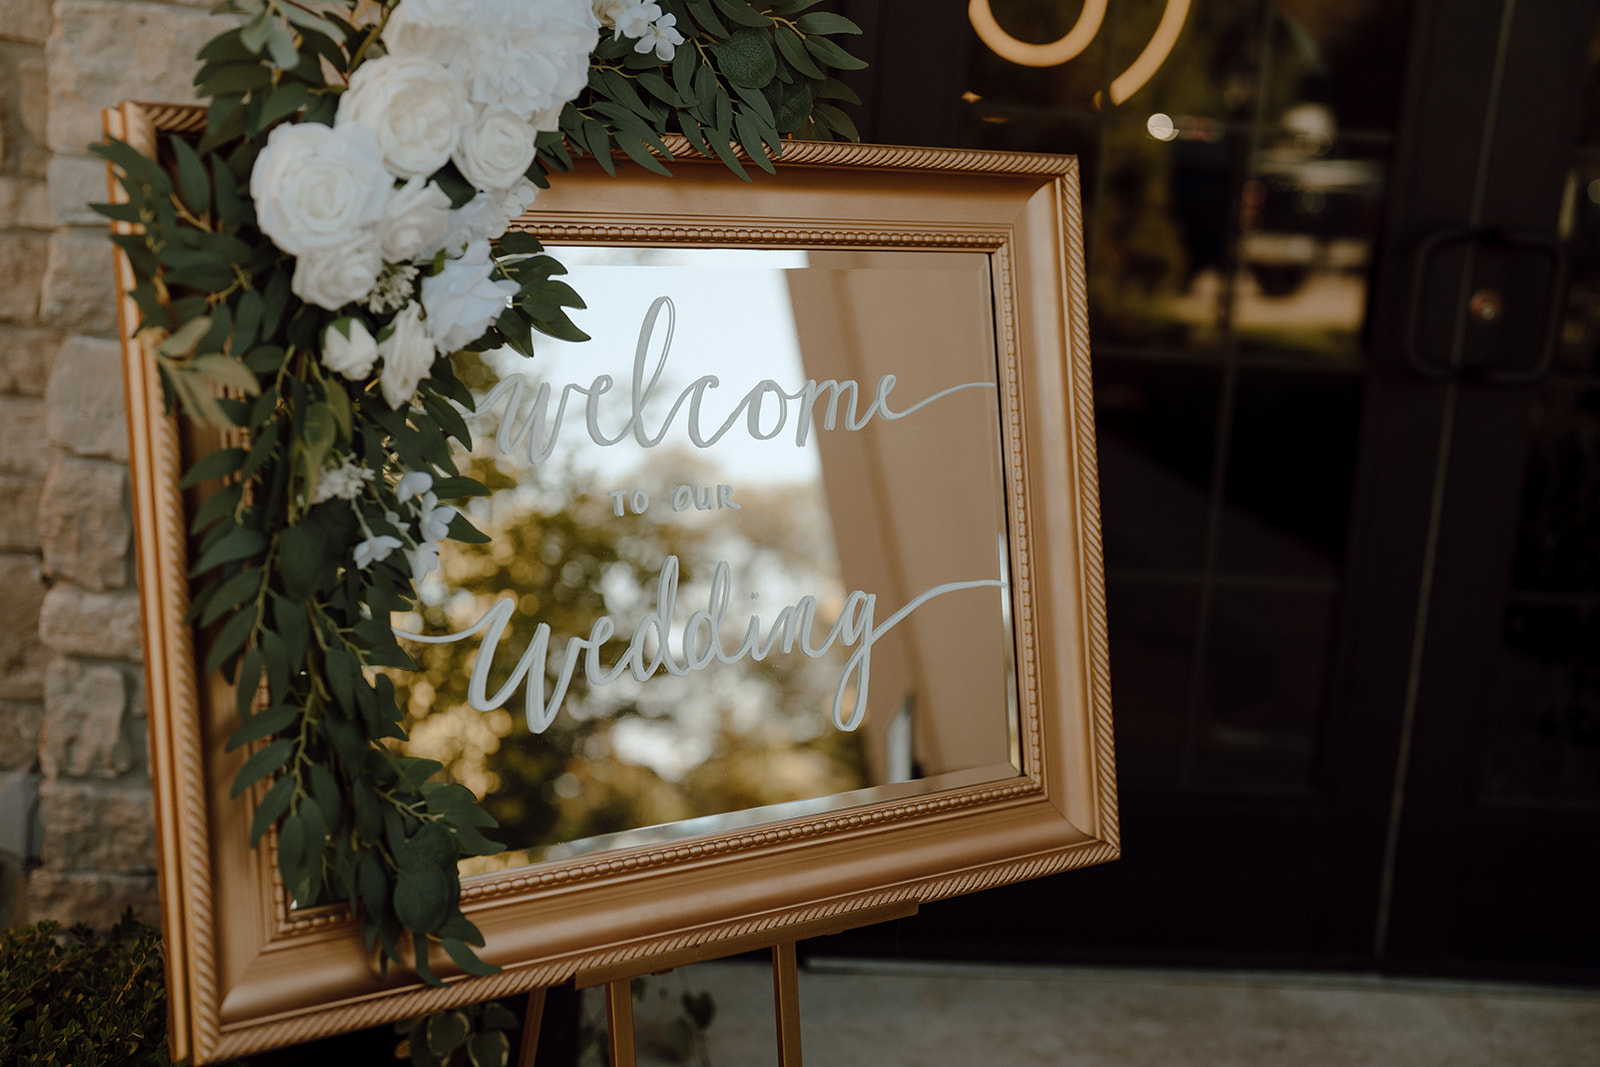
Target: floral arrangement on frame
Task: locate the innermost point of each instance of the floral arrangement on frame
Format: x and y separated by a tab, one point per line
304	275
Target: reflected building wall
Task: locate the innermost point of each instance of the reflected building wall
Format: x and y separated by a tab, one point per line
915	503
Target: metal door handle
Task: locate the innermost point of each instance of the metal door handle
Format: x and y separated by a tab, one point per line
1492	237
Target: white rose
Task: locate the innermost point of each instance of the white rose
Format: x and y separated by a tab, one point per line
462	300
333	277
495	150
547	120
630	18
483	218
526	55
515	200
416	222
437	29
407	357
348	349
317	187
413	105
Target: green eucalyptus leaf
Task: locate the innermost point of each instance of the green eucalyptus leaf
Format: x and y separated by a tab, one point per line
750	140
302	560
838	120
231	592
825	22
281	48
285	100
459	928
271	808
239	543
313	841
325	787
497	1016
275	657
832	55
194	183
220	503
793	48
684	62
218	464
263	762
446	1032
746	58
740	12
291	854
263	724
227	372
706	16
422	898
491	1049
657	86
248	682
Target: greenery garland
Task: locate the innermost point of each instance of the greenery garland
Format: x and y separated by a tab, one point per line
304	275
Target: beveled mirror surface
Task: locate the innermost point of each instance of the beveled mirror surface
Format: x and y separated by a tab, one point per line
747	552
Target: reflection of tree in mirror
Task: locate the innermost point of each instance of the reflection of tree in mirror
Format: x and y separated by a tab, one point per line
627	754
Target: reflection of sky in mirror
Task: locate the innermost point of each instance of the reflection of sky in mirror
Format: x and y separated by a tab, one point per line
733	319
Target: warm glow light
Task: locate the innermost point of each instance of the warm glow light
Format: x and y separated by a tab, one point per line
1161	127
1155	53
1037	55
1077	39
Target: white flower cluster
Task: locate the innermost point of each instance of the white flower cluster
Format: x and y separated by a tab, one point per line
464	81
433	525
643	20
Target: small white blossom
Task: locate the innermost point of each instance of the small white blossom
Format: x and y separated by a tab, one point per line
412	483
344	482
661	35
433	519
629	18
349	349
424	560
394	289
375	549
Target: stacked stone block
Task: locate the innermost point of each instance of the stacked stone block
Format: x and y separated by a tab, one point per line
71	689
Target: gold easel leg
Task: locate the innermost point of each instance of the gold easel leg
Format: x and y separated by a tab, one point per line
531	1022
619	1021
786	1000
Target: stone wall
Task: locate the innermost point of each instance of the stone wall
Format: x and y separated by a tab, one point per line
71	691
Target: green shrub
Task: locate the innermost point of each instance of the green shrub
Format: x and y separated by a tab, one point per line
82	999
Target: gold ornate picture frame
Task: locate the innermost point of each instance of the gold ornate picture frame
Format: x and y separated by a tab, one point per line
248	971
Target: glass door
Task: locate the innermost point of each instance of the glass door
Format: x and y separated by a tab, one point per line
1321	252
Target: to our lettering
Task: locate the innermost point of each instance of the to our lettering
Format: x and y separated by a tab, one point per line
766	410
702	644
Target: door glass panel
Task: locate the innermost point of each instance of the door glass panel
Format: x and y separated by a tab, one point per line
1152	625
1291	467
1232	206
1235	193
1155	424
1542	743
1544	733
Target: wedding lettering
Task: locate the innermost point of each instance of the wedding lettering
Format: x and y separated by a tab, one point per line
701	643
535	431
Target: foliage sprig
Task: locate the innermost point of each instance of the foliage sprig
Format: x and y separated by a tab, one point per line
317	525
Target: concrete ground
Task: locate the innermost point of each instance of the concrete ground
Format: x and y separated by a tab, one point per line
858	1014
